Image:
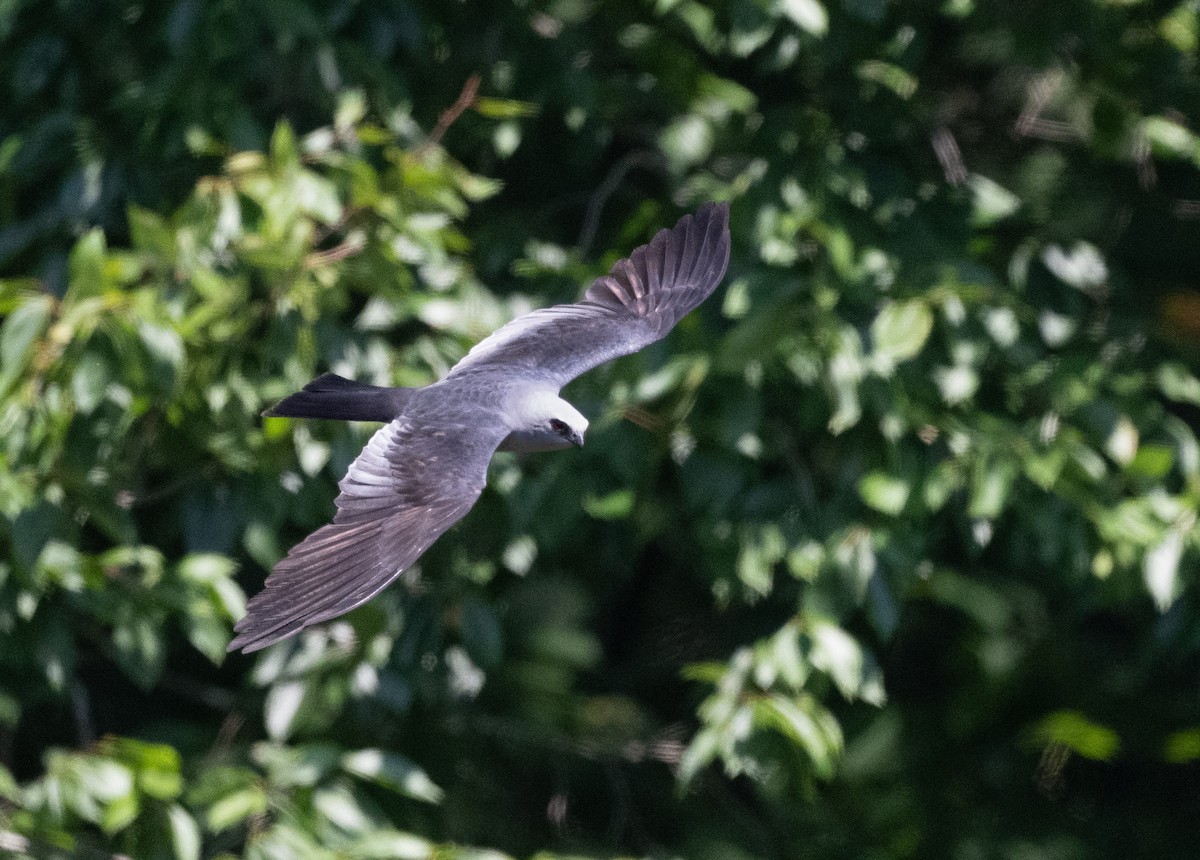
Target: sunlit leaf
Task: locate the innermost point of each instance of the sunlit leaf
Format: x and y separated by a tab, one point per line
9	789
318	197
235	807
991	201
901	329
494	108
687	141
809	15
391	845
282	706
885	493
87	264
758	558
1082	266
1079	734
18	335
1170	139
284	152
341	806
304	765
184	833
839	655
1178	383
891	76
393	771
815	733
1183	746
1161	569
156	767
957	384
991	485
616	505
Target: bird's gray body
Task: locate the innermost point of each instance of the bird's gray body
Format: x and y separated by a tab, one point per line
422	471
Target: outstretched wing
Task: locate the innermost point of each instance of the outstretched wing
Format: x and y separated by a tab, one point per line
635	304
411	482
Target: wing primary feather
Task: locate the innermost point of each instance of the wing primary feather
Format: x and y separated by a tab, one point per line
330	551
654	263
289	605
690	250
697	261
283	595
640	299
306	578
670	251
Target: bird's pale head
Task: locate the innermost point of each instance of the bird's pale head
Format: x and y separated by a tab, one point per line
545	422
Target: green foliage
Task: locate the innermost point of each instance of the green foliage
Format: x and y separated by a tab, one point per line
894	556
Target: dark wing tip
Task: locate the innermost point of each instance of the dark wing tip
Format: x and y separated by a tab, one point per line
341	566
332	571
255	637
674	272
265	623
714	209
248	640
245	642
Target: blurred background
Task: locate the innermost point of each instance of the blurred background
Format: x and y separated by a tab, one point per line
889	551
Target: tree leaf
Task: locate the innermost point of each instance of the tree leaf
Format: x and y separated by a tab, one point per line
1079	734
391	845
18	335
885	493
185	833
900	329
392	771
808	15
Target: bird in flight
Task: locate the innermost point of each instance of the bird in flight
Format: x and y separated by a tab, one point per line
425	468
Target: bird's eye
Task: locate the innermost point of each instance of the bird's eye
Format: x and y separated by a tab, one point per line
558	426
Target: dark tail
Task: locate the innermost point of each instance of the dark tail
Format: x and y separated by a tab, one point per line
333	396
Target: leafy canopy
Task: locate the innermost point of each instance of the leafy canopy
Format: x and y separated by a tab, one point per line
888	551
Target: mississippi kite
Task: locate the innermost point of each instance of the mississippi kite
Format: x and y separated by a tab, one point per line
421	472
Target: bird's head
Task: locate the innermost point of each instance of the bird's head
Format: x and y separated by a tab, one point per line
546	422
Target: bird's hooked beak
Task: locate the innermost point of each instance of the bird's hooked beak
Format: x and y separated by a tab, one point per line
576	438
